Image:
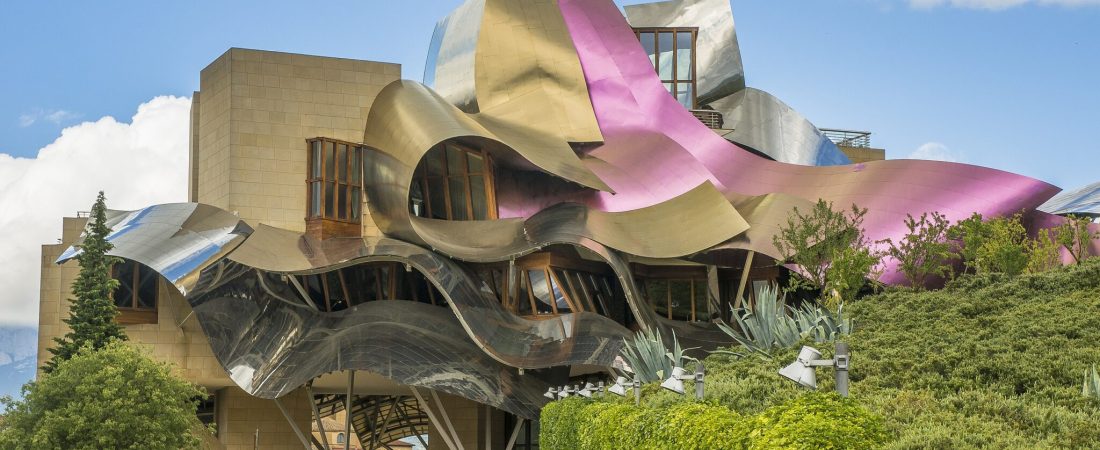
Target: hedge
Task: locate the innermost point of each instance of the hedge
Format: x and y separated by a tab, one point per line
810	421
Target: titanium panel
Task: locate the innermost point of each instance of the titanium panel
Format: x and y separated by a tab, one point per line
718	56
1083	201
449	68
762	122
660	137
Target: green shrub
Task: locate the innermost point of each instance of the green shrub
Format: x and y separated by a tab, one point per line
925	250
817	421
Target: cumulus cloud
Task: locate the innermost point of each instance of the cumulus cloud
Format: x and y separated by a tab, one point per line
998	5
937	152
55	116
136	164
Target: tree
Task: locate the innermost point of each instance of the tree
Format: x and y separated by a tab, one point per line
970	234
115	397
925	251
92	315
1074	234
829	247
1044	255
1005	249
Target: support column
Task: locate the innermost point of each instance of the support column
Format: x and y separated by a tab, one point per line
744	279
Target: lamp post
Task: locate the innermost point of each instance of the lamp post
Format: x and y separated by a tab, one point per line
675	383
801	371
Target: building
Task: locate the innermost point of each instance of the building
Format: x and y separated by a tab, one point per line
432	257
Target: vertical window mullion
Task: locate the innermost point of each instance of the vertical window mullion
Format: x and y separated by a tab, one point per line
668	298
692	315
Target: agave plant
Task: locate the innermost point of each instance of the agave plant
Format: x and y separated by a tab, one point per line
1091	387
774	325
648	357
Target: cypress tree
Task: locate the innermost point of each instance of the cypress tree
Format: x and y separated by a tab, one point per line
92	314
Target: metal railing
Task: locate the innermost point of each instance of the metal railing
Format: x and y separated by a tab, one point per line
848	138
711	118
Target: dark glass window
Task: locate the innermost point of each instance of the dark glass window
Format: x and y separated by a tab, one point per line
453	182
349	286
137	286
678	299
672	52
527	437
334	180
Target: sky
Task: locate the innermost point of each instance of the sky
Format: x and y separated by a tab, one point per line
95	95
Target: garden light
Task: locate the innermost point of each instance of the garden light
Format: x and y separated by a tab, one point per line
619	386
551	393
675	383
587	391
802	370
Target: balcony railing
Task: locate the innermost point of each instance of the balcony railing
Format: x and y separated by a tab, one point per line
848	138
711	118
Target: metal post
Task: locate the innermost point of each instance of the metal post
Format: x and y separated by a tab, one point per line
347	406
293	426
744	279
317	416
431	416
447	419
700	373
843	356
637	390
385	423
515	434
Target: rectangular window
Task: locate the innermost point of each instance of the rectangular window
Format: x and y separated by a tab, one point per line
136	294
672	53
334	182
453	182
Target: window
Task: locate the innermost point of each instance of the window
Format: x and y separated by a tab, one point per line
453	182
672	52
527	437
206	411
334	181
136	295
548	284
340	439
675	292
340	289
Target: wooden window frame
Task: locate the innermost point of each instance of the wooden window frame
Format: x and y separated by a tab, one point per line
579	299
389	283
135	314
657	57
343	190
421	177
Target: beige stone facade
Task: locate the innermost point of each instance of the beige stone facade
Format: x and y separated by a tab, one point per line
863	154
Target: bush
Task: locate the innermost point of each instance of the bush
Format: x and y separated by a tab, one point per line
817	421
925	250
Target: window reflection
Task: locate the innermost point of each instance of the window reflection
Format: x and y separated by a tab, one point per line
672	53
453	182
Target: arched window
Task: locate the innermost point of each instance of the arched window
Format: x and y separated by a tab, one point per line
340	439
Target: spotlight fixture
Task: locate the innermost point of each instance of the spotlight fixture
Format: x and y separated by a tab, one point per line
619	386
587	391
801	371
551	393
675	383
566	391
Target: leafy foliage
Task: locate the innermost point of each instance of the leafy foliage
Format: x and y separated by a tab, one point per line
774	325
114	397
925	250
1043	252
649	359
829	247
818	420
92	315
1074	234
997	245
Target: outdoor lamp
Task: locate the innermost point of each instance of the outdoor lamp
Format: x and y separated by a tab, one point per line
551	393
675	383
586	392
802	370
565	391
619	387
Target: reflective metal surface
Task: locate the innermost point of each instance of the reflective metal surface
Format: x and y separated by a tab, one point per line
764	123
177	239
449	69
717	58
661	136
1084	201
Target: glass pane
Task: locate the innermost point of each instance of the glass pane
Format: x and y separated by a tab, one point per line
455	160
336	295
312	285
362	283
315	199
684	95
124	294
416	199
583	286
657	292
665	58
315	150
649	44
475	163
669	87
574	293
437	198
701	300
330	161
559	297
681	299
384	281
342	162
458	199
356	164
147	288
480	202
356	204
330	199
683	56
435	161
523	302
540	287
342	206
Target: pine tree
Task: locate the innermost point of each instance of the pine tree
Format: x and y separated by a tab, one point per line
92	314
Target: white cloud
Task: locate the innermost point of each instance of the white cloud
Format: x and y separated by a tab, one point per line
998	5
137	164
936	151
50	115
